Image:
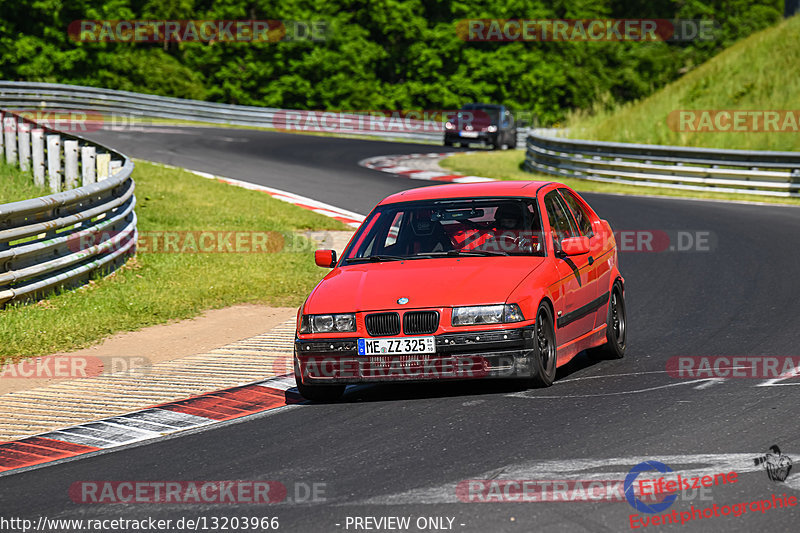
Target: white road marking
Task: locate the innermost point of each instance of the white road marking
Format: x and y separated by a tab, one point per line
611	376
352	219
687	465
531	393
789	375
285	382
710	382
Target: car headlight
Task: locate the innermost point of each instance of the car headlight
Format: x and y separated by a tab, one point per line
449	126
487	314
492	128
328	323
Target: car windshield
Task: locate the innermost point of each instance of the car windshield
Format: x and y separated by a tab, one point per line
420	230
479	116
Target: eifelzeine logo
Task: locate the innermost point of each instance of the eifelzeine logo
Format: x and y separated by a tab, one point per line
734	120
630	493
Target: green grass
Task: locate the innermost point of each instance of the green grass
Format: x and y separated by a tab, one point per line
17	185
757	73
155	288
507	165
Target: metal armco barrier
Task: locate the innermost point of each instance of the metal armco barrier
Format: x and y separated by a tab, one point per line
117	104
64	238
704	169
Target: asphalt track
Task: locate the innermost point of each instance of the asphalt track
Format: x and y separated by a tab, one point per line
402	450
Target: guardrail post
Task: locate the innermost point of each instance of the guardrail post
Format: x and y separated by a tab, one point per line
103	161
24	138
88	165
70	164
10	132
38	261
37	147
54	162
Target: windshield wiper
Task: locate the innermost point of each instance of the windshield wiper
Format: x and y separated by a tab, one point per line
423	255
376	258
457	253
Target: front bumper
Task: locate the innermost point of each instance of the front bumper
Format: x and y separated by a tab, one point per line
505	353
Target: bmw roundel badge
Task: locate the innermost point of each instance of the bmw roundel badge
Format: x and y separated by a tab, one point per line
402	301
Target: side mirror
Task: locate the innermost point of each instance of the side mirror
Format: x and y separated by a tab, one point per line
325	258
575	245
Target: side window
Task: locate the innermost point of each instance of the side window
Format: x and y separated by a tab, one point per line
560	220
581	216
380	234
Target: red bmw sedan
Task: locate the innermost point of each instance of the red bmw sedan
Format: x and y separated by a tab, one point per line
489	280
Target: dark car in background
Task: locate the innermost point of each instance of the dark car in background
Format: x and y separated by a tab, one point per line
488	124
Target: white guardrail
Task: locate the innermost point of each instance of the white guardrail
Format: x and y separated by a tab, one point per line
736	171
702	169
86	226
44	96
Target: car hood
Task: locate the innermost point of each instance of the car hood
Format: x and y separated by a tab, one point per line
441	282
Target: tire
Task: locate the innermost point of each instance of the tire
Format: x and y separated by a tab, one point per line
448	143
616	327
544	340
321	393
463	145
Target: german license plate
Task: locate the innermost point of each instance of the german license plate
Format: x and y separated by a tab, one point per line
469	134
397	346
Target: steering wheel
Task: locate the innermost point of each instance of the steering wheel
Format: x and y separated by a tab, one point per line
523	243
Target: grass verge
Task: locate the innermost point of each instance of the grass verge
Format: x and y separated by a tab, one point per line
155	288
16	185
759	73
507	165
